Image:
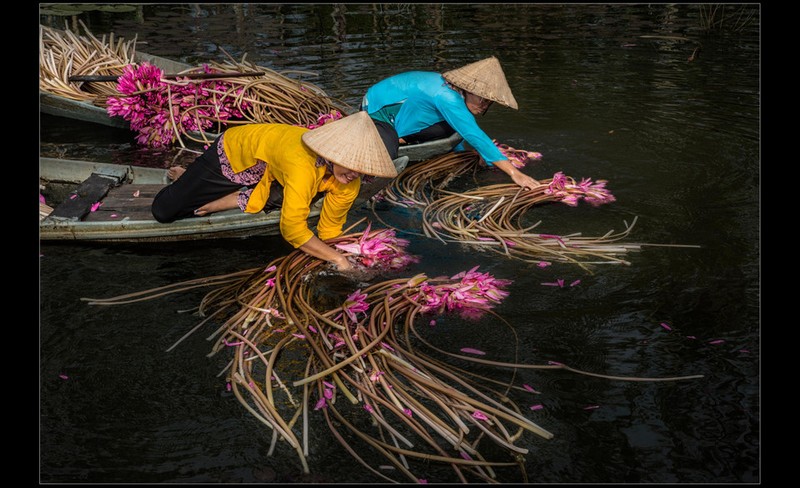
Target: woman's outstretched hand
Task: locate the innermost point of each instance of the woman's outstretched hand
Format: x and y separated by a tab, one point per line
225	203
524	180
516	175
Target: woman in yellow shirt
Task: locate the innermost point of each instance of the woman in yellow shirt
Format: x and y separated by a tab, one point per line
239	168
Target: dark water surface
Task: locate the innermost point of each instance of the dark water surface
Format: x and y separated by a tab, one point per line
678	141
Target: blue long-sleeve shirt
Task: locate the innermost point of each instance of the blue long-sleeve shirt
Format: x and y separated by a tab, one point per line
426	100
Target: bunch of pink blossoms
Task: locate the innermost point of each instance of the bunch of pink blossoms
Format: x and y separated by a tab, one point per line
518	157
382	249
160	111
475	293
567	191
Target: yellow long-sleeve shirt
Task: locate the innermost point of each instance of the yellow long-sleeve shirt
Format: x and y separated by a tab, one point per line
293	165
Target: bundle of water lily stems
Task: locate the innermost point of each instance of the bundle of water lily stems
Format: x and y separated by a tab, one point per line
493	217
63	54
166	110
365	367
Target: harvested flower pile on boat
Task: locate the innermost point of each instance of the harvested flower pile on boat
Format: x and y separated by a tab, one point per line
165	110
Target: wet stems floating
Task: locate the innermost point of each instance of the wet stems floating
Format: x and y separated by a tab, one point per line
492	217
358	360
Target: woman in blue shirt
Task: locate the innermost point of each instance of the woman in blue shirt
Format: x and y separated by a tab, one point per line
424	105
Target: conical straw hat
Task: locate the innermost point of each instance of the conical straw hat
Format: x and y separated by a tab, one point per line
352	142
484	78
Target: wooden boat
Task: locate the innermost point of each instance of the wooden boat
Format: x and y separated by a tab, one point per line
125	194
64	107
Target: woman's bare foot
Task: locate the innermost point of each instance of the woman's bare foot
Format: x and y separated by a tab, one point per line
175	172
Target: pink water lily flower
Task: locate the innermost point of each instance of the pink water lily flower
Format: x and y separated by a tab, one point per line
355	303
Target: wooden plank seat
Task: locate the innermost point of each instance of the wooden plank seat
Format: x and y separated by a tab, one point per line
120	203
90	191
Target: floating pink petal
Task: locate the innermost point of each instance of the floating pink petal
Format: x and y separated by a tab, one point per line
538	406
321	403
691	337
114	216
666	326
228	386
312	328
63	377
591	407
530	389
575	283
299	336
328	384
555	363
543	264
368	407
718	341
136	193
744	351
408	412
73	196
327	393
95	206
432	323
479	415
470	350
270	269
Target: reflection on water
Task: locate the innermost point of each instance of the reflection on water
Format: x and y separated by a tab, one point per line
605	92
